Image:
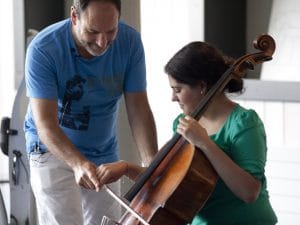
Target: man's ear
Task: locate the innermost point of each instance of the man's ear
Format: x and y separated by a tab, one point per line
73	15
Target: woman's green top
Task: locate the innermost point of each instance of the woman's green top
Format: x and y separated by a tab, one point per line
242	137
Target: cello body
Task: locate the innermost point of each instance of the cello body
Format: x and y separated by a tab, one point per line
185	174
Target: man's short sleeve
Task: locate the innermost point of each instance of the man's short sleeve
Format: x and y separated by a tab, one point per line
40	74
135	79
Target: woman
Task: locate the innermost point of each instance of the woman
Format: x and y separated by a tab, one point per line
232	137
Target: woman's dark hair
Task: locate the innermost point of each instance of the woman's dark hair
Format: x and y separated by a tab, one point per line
81	5
200	62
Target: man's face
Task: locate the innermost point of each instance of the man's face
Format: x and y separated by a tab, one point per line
95	29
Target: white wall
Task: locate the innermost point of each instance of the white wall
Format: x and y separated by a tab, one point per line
167	26
11	61
280	114
11	71
285	28
282	119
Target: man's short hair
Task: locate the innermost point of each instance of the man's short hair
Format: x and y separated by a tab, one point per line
81	5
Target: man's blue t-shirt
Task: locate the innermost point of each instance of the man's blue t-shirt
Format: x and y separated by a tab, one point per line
87	90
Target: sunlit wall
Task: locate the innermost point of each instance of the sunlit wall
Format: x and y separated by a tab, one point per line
6	69
285	29
166	26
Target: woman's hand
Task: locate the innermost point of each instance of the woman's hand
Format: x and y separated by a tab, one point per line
111	172
193	132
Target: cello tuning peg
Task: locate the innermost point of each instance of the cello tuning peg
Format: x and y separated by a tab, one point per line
249	65
268	58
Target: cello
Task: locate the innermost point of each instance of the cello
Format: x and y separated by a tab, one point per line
157	197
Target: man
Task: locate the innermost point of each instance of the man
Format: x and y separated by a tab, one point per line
76	72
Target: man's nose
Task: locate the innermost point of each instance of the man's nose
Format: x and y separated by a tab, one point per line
101	40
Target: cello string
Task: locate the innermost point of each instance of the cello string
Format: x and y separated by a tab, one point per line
125	205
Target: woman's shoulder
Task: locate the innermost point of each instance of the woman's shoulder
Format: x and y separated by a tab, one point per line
242	118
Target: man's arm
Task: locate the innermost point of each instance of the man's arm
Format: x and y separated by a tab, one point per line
142	125
46	121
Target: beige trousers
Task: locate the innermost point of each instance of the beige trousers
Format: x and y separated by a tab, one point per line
60	201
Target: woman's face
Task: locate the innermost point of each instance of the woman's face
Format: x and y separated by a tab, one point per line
187	97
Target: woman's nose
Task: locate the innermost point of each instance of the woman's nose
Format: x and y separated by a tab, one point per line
174	98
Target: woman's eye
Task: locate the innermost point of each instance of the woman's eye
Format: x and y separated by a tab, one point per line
176	90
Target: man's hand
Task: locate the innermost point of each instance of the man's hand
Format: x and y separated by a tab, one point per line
85	176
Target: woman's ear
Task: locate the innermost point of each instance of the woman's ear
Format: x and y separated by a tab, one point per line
203	88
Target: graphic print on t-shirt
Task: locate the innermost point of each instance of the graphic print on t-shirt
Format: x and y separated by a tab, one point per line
74	92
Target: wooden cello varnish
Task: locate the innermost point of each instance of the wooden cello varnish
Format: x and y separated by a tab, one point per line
181	175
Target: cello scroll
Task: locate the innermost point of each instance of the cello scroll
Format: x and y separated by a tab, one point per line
266	44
